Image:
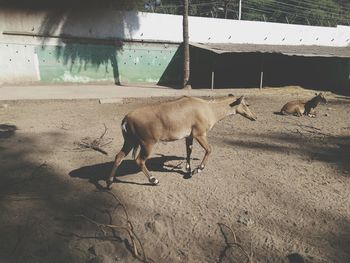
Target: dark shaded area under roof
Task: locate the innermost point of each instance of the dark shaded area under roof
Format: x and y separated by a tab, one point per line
240	66
305	51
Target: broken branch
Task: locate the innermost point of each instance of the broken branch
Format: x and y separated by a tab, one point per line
94	144
235	243
129	229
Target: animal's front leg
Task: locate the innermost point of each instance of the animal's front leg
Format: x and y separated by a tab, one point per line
202	140
189	144
312	113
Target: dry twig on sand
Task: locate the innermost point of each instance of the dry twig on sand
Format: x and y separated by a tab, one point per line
63	126
235	243
303	129
88	143
138	250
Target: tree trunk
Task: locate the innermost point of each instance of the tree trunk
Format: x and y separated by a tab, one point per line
186	75
226	2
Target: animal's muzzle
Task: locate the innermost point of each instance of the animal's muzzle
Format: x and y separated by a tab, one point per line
252	118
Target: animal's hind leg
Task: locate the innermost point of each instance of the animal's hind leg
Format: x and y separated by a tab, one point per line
202	140
141	159
189	144
299	113
118	159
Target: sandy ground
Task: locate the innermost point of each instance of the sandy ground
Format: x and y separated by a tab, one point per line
280	183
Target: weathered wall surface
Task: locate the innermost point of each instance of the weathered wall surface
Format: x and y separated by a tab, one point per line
81	45
83	63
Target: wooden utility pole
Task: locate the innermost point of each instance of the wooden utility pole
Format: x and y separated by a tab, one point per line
186	75
240	10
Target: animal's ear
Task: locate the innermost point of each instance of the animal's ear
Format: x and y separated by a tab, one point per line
237	102
241	99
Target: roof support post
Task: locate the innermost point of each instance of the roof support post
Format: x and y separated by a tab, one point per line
213	67
262	72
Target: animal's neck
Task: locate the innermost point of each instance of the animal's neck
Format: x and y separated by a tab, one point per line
313	102
220	108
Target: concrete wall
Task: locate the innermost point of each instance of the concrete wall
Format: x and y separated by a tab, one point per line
101	58
210	30
161	27
89	52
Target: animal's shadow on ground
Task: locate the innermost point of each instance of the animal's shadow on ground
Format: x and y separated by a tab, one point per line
100	172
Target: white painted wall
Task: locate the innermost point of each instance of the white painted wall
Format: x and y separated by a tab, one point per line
233	31
211	30
18	63
161	27
141	26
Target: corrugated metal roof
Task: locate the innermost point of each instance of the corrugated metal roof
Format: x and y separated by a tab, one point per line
305	51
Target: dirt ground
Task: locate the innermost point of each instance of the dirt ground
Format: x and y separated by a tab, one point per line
280	183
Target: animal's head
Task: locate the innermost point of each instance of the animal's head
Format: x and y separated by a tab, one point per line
240	106
321	97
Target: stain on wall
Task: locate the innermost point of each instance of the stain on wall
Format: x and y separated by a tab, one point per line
86	63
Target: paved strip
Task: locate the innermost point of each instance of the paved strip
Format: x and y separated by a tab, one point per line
103	92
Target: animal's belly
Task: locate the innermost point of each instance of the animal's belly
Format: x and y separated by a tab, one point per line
294	109
175	135
299	109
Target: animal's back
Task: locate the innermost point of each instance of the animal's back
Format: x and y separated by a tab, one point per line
176	110
294	106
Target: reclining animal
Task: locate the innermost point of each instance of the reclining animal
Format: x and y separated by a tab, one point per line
306	107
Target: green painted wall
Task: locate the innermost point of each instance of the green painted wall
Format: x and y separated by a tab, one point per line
150	64
131	63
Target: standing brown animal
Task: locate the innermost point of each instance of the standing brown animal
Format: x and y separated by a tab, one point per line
186	117
306	107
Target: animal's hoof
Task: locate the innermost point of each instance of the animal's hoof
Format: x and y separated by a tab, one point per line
197	170
153	180
109	184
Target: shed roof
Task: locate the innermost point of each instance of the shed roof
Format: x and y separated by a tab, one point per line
302	50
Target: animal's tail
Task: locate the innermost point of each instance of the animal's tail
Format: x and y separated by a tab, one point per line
280	112
135	150
130	137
